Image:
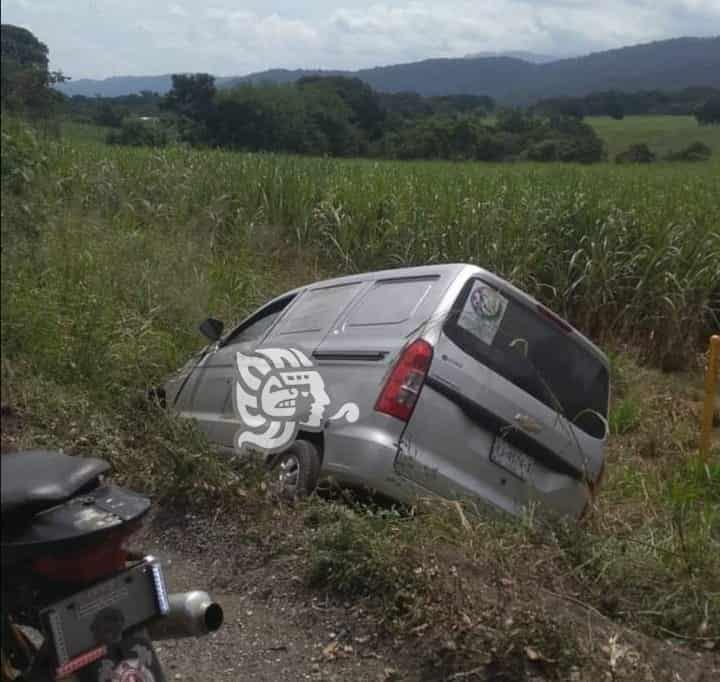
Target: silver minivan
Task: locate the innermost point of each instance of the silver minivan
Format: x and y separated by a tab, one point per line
441	379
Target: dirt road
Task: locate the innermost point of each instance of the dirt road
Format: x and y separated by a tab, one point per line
274	629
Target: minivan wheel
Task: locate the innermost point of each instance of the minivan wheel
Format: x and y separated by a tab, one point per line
297	470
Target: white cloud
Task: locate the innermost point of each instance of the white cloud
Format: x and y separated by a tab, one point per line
111	37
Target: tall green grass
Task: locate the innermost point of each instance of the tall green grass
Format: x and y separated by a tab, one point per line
111	257
138	244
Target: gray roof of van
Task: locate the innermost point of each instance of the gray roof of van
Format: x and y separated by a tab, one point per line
414	271
449	269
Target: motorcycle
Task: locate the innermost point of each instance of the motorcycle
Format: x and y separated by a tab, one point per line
76	604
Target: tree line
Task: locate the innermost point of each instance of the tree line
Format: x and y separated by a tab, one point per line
701	102
111	111
329	115
340	116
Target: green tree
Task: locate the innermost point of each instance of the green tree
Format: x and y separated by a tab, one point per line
709	112
25	80
137	133
514	121
23	47
363	103
697	151
614	107
109	115
192	99
478	105
265	117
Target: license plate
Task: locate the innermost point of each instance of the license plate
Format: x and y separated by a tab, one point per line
511	459
100	614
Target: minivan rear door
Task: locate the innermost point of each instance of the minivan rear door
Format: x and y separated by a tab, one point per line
513	407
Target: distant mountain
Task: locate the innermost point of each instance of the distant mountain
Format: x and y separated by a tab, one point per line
532	57
663	65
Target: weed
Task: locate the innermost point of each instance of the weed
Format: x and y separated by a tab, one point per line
358	554
656	567
148	450
624	416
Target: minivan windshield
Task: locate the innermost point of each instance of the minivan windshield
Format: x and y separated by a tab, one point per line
533	351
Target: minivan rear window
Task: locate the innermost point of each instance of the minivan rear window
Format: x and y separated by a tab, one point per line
533	351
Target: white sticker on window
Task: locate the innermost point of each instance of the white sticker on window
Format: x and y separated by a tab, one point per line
483	312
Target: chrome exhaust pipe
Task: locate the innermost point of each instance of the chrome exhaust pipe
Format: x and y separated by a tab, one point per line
191	614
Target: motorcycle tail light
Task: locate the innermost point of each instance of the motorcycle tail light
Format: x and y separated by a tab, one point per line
88	564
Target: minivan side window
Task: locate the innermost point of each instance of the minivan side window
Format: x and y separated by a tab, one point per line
391	301
256	327
532	351
317	309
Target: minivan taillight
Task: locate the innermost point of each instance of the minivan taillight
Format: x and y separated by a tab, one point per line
403	386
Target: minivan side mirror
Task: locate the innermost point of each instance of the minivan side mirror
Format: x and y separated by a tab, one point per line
212	328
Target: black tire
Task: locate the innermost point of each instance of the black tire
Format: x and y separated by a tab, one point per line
297	470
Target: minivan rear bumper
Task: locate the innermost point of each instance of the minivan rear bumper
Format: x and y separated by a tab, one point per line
363	455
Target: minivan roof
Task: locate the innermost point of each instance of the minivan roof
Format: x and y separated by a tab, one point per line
450	270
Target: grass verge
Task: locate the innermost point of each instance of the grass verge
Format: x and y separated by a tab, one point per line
111	258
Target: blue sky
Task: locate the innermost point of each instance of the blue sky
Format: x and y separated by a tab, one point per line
99	38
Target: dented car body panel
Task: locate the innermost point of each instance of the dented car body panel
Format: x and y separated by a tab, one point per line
503	402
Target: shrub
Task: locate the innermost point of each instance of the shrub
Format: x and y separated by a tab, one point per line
543	151
498	146
110	116
636	153
357	553
697	151
22	155
585	149
709	112
580	149
624	416
135	132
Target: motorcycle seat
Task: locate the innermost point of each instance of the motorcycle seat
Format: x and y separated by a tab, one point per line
35	480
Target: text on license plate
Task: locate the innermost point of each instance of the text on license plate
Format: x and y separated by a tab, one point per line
510	458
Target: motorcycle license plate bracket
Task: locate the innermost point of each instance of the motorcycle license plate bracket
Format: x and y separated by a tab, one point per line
99	616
